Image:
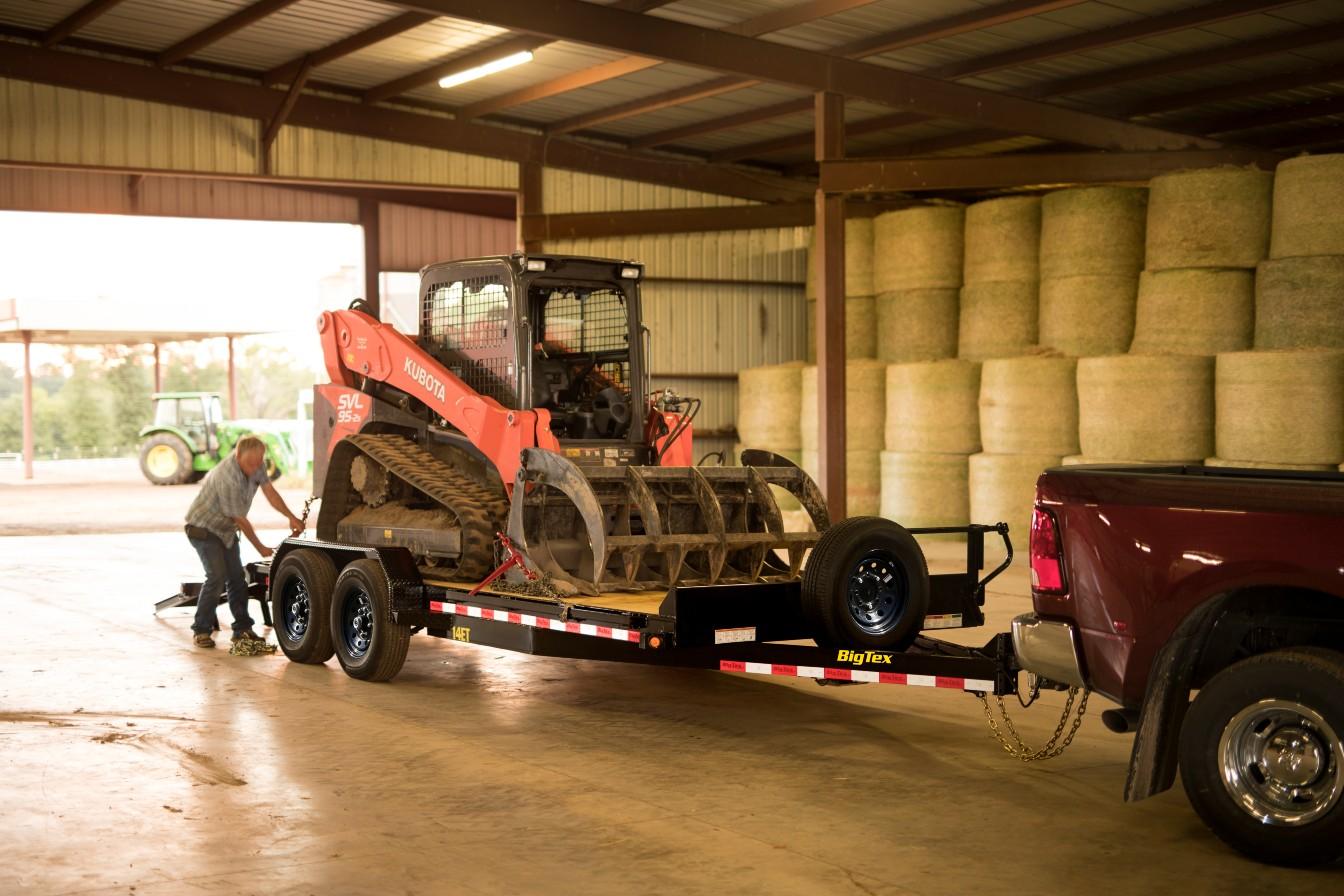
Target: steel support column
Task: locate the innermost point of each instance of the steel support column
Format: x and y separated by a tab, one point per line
27	406
369	220
158	369
830	224
529	201
233	383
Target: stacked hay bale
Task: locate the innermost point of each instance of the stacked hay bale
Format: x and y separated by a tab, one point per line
1146	408
1001	274
1028	421
1207	230
1092	245
769	416
1281	408
932	427
1299	296
865	413
917	258
860	327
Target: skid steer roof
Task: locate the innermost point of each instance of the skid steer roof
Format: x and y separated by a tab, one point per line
578	267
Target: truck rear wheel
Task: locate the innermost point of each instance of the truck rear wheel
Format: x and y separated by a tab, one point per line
866	584
301	590
165	459
1262	759
369	645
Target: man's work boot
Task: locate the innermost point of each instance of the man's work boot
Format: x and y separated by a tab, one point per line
246	635
203	639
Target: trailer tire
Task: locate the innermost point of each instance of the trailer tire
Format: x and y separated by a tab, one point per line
1253	736
165	459
866	584
369	645
301	590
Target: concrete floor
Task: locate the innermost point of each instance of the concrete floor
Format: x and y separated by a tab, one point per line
132	762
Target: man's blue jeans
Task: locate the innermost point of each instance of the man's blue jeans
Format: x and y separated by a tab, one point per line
223	568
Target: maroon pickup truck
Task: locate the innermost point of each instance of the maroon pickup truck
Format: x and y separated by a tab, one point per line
1153	583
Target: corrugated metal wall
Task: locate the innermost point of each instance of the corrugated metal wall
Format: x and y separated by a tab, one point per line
48	190
410	238
304	152
778	255
564	192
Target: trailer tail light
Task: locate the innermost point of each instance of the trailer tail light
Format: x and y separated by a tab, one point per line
1047	557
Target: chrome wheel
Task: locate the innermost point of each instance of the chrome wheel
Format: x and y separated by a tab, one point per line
1282	763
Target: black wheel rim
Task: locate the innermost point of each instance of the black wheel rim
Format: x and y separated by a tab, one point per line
295	608
357	623
876	592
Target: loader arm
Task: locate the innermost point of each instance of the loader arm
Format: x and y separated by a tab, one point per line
355	345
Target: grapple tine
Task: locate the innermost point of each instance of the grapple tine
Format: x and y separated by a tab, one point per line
713	517
551	470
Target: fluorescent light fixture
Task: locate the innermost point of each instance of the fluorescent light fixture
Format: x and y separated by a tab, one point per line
488	68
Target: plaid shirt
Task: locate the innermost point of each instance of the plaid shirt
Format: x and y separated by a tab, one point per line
225	494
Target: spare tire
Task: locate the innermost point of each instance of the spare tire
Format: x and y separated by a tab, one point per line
866	585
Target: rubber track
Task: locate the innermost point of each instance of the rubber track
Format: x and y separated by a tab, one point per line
480	510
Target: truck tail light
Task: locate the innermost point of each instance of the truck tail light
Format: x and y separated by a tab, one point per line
1047	557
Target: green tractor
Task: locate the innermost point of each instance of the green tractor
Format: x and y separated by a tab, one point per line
189	436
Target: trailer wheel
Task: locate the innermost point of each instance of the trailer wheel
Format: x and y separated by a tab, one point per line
369	645
165	459
301	589
1262	759
866	584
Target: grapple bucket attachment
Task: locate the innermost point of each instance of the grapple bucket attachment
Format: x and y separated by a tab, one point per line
640	528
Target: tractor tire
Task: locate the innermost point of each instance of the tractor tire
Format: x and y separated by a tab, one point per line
273	471
301	589
165	459
369	645
1262	760
866	585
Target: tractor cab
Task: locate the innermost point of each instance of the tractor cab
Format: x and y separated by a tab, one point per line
196	415
183	441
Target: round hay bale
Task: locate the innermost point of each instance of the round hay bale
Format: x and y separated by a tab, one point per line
1194	311
1088	315
785	500
1003	240
1281	406
1074	460
1145	407
860	328
926	490
933	407
769	406
1256	465
865	406
858	259
918	248
1029	405
1210	218
1299	302
1093	230
1003	489
997	319
916	325
863	480
1308	194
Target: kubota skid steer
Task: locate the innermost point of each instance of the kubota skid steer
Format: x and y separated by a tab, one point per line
525	405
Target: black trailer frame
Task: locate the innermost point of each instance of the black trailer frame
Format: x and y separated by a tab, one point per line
731	628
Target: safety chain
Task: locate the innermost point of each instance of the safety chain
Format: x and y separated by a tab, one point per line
1053	747
542	586
251	647
307	505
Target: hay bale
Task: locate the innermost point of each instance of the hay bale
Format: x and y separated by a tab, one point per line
1029	405
865	406
1093	230
997	319
1088	315
1308	194
916	325
769	406
1194	311
863	480
918	248
1210	218
860	328
858	259
1003	240
1256	465
1281	406
1003	489
1145	407
1299	302
933	407
925	490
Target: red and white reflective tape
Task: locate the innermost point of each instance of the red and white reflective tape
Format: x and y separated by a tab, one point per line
555	625
828	673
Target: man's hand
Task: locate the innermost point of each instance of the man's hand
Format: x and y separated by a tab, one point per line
295	526
265	551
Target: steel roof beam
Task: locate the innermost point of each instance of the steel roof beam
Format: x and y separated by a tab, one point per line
400	24
804	138
248	15
76	20
708	48
728	122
